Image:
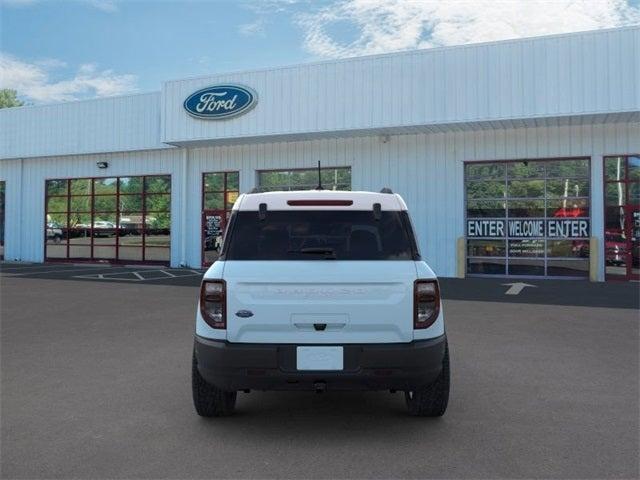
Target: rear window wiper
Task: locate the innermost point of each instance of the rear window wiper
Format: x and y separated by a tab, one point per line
327	251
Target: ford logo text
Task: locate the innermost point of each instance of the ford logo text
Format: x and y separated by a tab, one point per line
220	101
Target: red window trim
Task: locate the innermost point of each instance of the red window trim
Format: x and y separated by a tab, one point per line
626	181
92	212
225	210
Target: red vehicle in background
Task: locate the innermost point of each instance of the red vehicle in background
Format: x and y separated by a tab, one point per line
573	212
615	247
580	248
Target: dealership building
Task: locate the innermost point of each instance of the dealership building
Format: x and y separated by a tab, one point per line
517	158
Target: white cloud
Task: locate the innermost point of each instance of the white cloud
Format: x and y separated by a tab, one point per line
253	28
389	25
33	81
50	63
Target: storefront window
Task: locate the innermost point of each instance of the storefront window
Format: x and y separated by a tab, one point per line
2	196
220	190
304	179
622	217
529	218
109	219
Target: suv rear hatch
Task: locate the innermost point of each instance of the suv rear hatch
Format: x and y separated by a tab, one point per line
320	277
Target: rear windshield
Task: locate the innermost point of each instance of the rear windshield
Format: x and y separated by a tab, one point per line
320	235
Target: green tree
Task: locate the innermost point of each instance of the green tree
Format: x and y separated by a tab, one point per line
9	98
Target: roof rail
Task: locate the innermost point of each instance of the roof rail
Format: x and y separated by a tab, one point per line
386	190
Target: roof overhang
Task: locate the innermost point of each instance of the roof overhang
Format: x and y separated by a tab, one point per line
500	124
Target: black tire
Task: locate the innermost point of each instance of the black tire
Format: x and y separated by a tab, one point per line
431	400
209	400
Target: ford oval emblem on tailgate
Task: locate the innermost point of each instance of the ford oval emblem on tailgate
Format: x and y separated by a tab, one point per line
244	313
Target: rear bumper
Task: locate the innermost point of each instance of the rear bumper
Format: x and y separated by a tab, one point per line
241	366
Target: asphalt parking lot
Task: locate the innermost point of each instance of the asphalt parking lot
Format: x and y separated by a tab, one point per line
95	382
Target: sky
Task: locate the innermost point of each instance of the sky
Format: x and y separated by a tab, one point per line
61	50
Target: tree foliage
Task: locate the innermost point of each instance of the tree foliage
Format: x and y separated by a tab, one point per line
9	98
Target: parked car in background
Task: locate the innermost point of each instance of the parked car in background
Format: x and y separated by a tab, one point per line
103	228
54	232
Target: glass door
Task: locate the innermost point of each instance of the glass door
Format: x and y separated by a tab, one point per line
214	223
633	214
622	217
220	190
2	189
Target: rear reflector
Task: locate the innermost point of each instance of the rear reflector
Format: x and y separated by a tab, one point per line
319	203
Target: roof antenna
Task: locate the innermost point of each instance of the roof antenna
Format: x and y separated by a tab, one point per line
319	187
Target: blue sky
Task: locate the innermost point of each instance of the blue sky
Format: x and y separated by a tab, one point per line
63	50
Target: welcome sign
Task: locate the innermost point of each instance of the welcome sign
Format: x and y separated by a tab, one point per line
220	102
528	228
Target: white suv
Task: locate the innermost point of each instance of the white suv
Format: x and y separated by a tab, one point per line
320	290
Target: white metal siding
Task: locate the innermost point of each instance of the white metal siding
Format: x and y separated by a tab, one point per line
564	75
11	174
26	189
102	125
426	169
574	78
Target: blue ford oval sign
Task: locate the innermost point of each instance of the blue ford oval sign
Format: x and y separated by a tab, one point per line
220	101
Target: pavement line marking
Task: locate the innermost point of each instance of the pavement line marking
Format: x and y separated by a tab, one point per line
163	278
108	274
113	277
110	278
63	270
516	288
169	274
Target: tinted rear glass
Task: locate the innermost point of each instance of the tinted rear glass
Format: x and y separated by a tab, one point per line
319	235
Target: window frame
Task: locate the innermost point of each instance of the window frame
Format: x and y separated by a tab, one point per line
403	218
118	214
302	169
225	211
506	178
605	182
3	209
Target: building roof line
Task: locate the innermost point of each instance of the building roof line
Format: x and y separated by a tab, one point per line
408	52
81	100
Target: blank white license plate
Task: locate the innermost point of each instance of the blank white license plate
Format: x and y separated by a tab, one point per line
320	358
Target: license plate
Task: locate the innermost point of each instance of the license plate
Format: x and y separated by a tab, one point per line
320	358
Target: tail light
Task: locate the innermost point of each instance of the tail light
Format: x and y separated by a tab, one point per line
426	303
213	303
